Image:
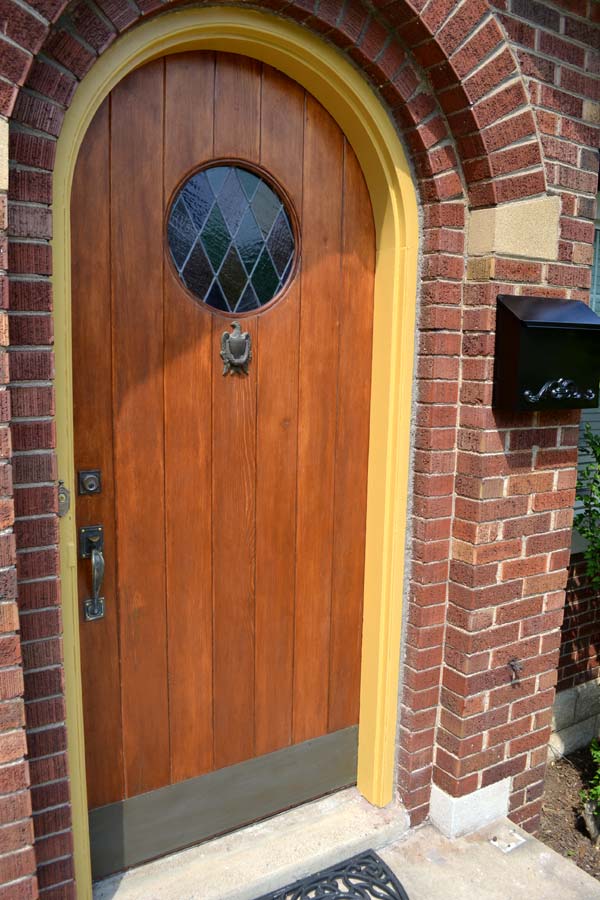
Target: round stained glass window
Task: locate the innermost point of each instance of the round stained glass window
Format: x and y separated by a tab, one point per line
231	238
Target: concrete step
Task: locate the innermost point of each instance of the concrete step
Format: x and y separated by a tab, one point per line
266	856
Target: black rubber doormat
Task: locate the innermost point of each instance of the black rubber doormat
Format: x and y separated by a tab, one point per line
364	877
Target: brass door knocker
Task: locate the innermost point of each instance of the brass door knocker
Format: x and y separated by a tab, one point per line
236	350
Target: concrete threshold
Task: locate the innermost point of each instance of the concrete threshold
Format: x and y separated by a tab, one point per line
265	856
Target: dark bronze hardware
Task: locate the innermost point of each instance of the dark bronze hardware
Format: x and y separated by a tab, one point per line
90	537
64	499
90	481
91	546
93	607
559	389
236	350
516	667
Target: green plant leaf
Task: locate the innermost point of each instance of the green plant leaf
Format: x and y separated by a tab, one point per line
587	521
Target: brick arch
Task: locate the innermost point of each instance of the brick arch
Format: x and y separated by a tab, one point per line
445	70
451	84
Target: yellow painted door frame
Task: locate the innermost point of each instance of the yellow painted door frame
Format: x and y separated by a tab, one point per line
324	72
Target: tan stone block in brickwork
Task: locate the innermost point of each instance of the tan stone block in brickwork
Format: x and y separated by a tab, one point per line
583	254
3	329
3	155
481	269
527	228
591	112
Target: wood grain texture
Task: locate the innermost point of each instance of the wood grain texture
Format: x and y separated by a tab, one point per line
234	507
351	446
92	410
321	263
237	132
282	129
137	270
237	107
188	365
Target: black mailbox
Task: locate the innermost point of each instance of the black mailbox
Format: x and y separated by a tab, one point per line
547	354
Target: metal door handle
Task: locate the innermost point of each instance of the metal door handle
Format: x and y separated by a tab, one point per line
97	573
93	608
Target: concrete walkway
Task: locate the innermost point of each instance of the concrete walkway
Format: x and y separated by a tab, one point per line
431	867
501	862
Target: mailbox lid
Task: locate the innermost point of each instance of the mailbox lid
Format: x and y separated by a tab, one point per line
551	312
547	354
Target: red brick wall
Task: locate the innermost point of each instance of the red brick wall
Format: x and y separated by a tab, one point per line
17	857
484	121
580	646
559	51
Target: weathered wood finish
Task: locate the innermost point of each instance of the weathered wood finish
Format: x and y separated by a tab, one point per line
234	508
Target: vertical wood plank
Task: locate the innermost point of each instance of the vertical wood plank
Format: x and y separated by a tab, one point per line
282	128
351	446
237	107
323	157
92	409
137	236
188	443
237	132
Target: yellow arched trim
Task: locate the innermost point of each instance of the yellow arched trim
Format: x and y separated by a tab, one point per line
344	93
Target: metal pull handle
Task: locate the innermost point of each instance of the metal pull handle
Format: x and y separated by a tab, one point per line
94	607
97	573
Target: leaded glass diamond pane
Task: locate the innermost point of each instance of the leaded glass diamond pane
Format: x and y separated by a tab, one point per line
231	239
249	182
197	273
265	278
249	240
249	301
215	237
181	232
265	205
198	199
281	243
232	202
232	277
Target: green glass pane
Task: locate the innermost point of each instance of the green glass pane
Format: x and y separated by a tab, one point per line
232	277
265	206
197	272
215	237
249	240
230	238
249	182
265	279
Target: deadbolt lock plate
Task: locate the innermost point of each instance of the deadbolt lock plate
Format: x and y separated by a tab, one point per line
90	481
91	537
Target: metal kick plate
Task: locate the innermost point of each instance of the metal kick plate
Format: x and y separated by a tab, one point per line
91	537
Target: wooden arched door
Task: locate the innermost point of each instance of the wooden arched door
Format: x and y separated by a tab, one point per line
221	673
